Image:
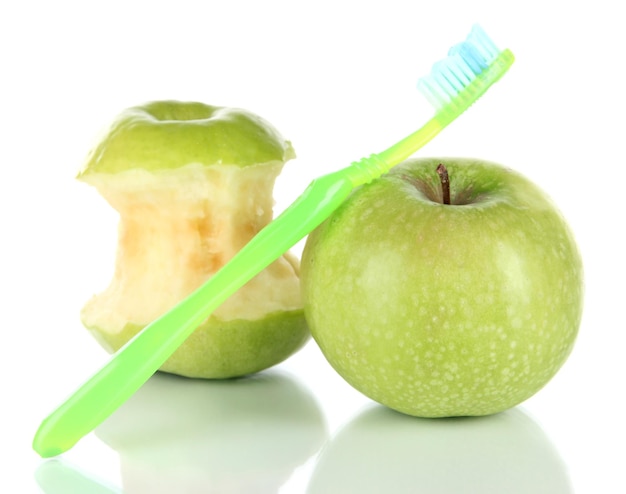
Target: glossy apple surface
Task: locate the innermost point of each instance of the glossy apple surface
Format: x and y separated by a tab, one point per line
437	310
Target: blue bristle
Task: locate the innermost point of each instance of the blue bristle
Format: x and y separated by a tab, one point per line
483	43
457	72
465	61
439	74
431	91
471	55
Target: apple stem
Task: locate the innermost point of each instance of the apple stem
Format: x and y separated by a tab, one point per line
445	182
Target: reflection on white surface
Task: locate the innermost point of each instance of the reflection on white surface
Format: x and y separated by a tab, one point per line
58	477
194	436
383	451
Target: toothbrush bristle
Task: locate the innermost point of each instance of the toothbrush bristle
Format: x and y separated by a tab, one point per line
465	61
483	43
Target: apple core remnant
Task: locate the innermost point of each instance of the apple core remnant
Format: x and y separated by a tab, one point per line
192	184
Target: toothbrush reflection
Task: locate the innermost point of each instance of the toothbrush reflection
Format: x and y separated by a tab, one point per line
56	476
384	451
194	436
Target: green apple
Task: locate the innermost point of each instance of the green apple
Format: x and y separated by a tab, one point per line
436	309
192	184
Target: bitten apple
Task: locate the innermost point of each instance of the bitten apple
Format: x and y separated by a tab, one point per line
437	309
192	184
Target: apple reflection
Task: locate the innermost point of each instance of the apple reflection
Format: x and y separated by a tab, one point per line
384	451
196	436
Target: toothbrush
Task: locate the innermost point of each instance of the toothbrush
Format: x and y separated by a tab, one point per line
453	85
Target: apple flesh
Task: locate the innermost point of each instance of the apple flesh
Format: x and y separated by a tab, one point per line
192	184
439	310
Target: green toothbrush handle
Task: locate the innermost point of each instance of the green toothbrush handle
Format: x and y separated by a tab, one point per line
133	364
141	357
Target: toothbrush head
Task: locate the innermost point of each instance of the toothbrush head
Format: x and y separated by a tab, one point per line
470	68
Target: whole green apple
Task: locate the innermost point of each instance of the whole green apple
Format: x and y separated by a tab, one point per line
437	309
192	184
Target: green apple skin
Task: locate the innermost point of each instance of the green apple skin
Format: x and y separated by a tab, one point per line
169	134
439	310
220	349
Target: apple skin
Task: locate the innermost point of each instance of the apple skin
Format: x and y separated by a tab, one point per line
220	349
439	310
169	134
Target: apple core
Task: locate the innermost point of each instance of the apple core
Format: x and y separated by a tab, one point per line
192	184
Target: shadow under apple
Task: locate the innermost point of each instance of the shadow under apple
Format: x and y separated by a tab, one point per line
384	451
243	435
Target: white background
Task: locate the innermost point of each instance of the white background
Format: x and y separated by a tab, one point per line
338	80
